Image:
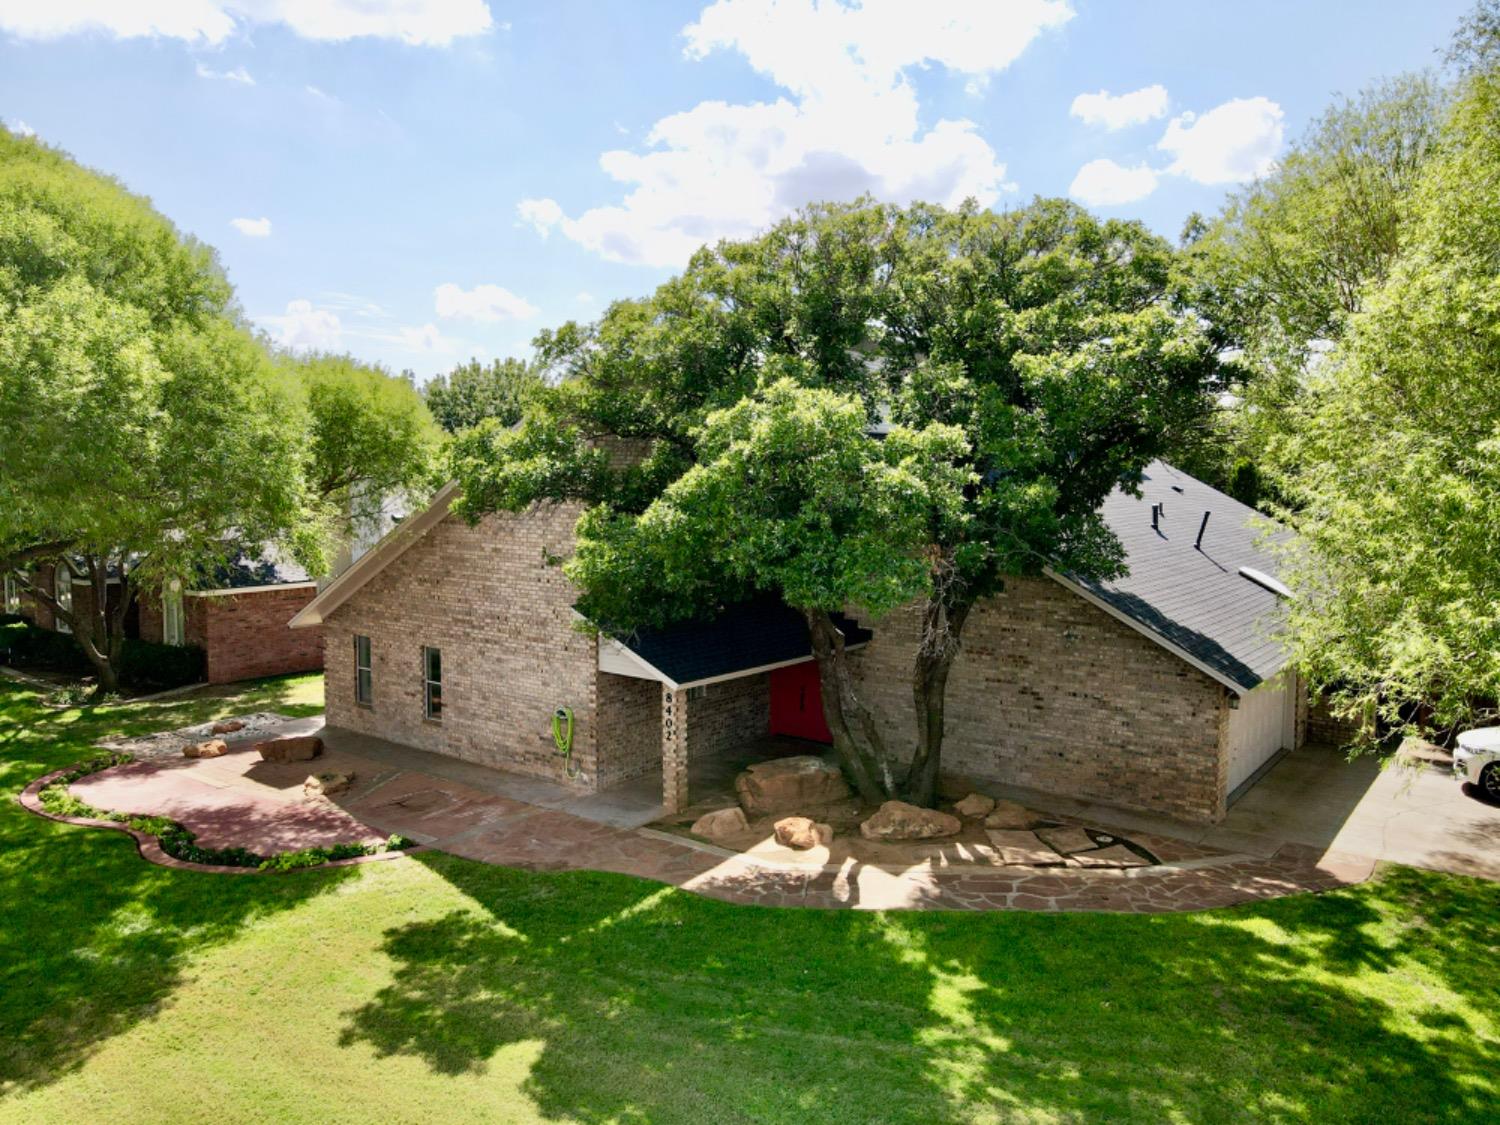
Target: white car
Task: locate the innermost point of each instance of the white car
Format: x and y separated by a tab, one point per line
1477	760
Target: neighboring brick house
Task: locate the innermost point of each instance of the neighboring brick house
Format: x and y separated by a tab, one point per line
240	619
1165	691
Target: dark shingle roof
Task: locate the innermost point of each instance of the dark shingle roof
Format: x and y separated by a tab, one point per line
749	635
265	570
1197	600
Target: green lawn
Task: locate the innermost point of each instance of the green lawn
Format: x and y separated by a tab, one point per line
432	988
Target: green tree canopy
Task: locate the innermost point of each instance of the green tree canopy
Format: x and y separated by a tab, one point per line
1019	367
1392	465
1288	261
474	391
372	437
142	426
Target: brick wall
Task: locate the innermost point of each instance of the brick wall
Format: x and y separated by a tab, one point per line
629	727
728	714
1327	729
1051	693
503	618
247	635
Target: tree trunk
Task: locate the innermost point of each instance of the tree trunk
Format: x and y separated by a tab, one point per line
867	764
943	620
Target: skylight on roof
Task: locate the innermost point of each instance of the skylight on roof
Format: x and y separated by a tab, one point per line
1260	578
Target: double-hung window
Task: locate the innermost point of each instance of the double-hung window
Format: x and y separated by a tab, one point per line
432	683
173	631
12	595
62	593
364	679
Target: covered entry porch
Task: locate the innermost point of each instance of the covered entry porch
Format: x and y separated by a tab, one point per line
705	699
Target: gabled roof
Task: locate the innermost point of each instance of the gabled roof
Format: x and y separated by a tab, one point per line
753	636
1194	601
377	558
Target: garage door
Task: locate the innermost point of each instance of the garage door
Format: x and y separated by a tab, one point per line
1264	724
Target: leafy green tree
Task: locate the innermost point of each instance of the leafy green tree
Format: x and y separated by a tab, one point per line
1285	265
141	427
1392	465
474	391
1027	364
372	437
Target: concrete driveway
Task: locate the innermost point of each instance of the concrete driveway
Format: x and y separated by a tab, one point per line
1418	815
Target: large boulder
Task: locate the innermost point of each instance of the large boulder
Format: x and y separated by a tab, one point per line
896	820
213	748
302	749
975	804
802	832
721	824
1011	816
787	784
326	784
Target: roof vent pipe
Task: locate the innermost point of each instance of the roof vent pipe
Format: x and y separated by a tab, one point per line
1198	543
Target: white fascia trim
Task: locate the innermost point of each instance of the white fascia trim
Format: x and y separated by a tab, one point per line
233	590
391	546
1181	654
78	581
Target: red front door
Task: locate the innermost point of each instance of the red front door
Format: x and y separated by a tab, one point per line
797	703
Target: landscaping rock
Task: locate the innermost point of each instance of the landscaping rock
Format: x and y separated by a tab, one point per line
720	824
210	749
1010	815
1023	849
897	820
787	784
1068	840
227	726
302	749
975	804
802	832
326	784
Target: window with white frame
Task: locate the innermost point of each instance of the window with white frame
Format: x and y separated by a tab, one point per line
364	679
62	592
172	624
432	683
12	594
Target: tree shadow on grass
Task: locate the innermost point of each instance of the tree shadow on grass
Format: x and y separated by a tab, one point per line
94	938
656	1004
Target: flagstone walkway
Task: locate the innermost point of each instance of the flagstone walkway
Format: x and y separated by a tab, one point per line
237	799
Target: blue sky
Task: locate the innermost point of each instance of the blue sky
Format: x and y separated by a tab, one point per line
417	181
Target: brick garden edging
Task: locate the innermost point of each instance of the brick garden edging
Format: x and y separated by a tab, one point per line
150	848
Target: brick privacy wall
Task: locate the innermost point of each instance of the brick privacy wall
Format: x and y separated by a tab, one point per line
247	635
503	618
728	714
1327	729
628	727
1051	693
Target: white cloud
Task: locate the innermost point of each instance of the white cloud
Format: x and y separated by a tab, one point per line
21	129
540	214
1103	183
1235	141
303	327
1116	111
425	338
238	74
849	125
426	23
584	297
488	303
252	228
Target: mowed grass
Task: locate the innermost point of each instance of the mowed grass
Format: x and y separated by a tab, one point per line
435	989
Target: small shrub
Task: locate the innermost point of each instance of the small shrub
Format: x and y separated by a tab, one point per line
147	665
30	646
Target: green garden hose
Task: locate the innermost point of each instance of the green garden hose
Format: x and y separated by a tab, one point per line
562	738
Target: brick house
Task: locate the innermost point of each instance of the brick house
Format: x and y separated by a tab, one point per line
239	618
1165	691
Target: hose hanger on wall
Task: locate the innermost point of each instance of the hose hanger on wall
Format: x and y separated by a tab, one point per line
562	738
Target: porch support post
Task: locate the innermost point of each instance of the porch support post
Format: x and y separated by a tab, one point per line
674	759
